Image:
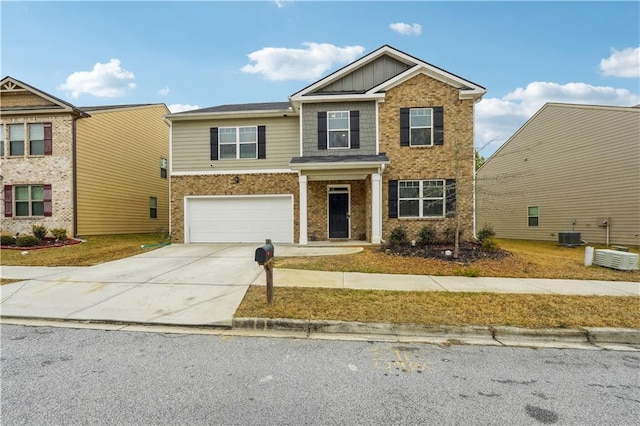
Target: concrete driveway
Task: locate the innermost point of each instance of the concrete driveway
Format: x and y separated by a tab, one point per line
177	284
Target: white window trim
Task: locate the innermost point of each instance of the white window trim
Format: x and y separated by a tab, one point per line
29	139
29	202
348	130
24	139
237	143
420	127
421	199
529	217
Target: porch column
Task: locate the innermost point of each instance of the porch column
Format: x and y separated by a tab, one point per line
376	208
302	179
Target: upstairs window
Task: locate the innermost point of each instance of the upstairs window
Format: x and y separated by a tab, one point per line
421	128
238	142
16	139
29	200
1	141
338	129
163	168
36	139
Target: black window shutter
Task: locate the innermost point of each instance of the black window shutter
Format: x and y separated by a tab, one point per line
393	199
262	142
48	208
438	126
322	130
450	194
213	143
404	126
48	139
354	118
8	201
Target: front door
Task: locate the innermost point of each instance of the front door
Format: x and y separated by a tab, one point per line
339	215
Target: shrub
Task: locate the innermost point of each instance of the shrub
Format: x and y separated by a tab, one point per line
399	235
27	241
427	235
39	231
466	272
449	234
486	232
60	234
490	244
7	240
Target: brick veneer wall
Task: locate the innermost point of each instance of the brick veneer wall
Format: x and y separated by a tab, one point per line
317	200
453	160
250	184
55	169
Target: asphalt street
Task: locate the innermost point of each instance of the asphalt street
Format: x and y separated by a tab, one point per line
98	377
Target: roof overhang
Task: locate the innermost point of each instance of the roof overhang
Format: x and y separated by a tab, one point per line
231	115
338	168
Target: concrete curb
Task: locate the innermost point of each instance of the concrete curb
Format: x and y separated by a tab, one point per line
501	334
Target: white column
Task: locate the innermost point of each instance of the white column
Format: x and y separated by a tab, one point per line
303	209
376	208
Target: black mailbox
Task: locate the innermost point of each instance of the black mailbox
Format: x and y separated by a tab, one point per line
264	253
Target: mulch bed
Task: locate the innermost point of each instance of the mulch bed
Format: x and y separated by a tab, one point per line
468	252
45	243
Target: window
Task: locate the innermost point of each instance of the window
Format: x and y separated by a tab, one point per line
16	139
338	125
163	168
1	141
420	127
533	214
36	139
421	198
238	142
153	208
29	200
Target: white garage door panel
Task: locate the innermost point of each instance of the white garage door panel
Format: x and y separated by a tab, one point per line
240	219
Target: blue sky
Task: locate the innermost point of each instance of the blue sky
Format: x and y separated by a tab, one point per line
207	53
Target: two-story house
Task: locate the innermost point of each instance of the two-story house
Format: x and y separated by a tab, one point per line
89	170
385	141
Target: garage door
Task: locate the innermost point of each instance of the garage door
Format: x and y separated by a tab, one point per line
250	219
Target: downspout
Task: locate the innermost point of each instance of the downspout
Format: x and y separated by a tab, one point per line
170	171
74	167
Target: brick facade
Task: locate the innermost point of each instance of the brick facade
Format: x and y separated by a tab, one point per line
55	169
453	160
249	184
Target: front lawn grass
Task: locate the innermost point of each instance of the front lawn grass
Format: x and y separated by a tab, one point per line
528	259
95	249
443	308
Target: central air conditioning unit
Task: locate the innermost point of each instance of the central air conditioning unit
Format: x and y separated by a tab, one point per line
569	239
616	259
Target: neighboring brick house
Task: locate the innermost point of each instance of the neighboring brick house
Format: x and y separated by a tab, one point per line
569	169
385	141
91	171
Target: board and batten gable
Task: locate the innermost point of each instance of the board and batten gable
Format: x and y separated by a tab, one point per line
578	164
191	144
119	152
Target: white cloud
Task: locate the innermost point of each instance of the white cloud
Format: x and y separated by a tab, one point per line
496	120
279	3
279	63
406	29
182	107
163	92
108	80
624	63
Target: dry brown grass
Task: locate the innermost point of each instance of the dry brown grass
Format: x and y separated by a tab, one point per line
96	249
529	259
442	308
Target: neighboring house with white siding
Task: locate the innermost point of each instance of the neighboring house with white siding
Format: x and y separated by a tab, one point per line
385	141
89	170
570	168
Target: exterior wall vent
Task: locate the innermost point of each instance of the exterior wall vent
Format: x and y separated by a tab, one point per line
616	260
569	239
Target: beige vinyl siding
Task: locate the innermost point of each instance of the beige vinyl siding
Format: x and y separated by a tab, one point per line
191	145
575	163
118	166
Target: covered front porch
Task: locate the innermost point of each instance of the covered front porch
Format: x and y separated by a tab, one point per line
340	198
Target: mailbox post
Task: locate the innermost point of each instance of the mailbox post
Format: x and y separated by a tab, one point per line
264	256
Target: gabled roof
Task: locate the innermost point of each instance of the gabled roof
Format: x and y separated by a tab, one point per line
468	89
264	109
11	85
